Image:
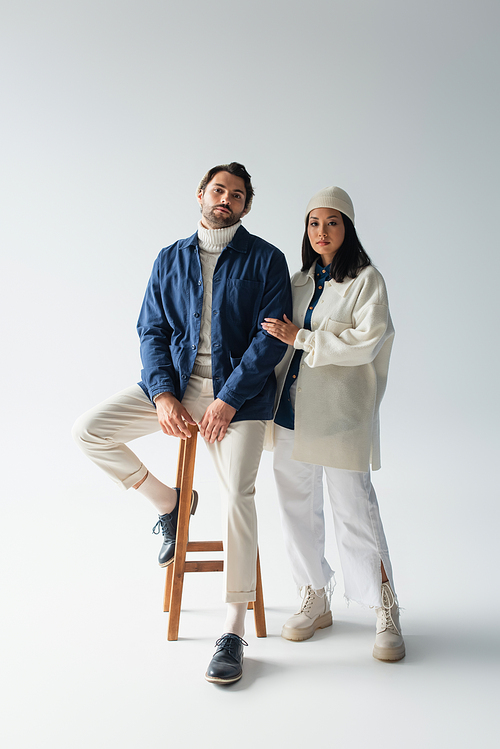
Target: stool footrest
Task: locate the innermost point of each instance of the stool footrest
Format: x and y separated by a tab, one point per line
205	566
204	546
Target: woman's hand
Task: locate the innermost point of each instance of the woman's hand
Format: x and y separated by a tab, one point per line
285	331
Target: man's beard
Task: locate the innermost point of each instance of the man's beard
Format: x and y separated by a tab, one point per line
220	220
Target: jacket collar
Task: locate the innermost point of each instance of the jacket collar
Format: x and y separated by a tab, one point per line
239	242
340	288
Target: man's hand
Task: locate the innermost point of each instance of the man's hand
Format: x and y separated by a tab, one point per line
216	420
172	416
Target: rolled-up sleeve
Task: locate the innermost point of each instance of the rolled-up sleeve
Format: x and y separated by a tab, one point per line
353	346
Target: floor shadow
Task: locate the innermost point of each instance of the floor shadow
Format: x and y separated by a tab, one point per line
253	670
469	648
349	627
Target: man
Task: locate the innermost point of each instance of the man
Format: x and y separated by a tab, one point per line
206	360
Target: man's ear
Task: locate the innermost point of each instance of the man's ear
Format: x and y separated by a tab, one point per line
199	196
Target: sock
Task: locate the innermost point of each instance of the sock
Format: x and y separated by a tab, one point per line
161	496
235	618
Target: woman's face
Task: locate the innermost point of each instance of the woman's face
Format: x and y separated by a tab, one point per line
326	232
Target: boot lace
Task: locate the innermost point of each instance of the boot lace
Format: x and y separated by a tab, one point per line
388	601
310	596
308	600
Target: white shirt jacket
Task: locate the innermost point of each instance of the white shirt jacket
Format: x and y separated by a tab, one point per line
343	371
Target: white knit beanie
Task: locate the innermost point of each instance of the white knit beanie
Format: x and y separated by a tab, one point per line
332	197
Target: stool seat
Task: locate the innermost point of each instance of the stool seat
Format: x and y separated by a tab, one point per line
174	582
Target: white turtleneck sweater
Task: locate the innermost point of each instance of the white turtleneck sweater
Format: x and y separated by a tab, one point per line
211	243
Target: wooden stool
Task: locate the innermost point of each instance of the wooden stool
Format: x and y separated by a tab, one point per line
175	572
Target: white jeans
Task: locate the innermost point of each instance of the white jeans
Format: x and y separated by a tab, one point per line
102	434
358	527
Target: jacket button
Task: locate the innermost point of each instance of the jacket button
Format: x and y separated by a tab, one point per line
193	347
184	377
215	311
196	314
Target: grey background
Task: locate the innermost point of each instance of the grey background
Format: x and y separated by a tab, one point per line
112	111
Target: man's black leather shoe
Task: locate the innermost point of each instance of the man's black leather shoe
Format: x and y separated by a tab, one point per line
168	525
226	665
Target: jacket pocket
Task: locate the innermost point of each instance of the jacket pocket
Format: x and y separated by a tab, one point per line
335	326
242	301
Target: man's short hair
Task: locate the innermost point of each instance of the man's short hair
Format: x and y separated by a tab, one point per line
238	170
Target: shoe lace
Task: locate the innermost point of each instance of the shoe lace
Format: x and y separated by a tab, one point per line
161	526
229	642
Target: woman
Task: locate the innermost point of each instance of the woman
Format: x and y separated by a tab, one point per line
330	385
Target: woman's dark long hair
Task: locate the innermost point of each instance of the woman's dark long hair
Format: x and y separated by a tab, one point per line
349	259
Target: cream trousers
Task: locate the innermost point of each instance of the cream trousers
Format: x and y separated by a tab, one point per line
358	528
102	434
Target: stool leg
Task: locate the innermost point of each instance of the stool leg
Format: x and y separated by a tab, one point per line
168	588
258	606
178	480
187	455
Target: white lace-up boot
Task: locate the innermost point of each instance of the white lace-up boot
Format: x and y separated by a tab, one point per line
389	643
314	614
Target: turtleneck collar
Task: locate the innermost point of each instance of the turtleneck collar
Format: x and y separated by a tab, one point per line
216	239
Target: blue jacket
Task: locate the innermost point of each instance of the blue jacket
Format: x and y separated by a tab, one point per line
250	282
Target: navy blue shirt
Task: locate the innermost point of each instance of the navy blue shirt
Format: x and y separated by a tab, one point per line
250	282
285	416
